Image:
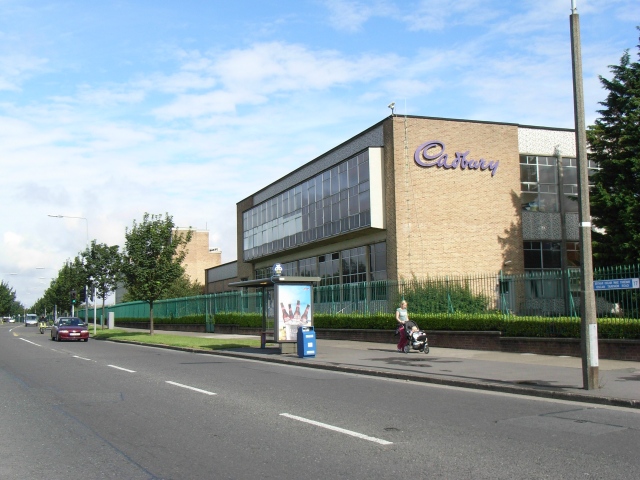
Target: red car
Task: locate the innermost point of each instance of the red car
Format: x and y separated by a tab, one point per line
69	328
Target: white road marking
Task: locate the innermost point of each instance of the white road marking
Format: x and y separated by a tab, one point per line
28	341
337	429
191	388
81	358
123	369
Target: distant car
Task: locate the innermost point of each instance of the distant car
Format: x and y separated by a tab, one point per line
12	320
69	328
30	320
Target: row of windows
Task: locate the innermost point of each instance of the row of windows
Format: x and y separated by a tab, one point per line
333	202
540	186
548	255
344	267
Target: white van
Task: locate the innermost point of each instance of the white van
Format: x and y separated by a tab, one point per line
31	319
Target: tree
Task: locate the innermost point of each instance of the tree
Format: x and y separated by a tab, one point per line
183	287
614	143
180	288
70	277
152	258
103	269
7	299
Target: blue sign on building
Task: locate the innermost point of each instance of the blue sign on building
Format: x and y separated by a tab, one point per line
617	284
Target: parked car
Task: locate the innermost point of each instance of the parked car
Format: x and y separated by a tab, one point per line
30	320
69	328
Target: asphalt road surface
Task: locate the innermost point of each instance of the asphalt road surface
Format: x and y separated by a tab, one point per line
97	410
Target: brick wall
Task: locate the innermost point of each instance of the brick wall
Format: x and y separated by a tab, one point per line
455	221
199	257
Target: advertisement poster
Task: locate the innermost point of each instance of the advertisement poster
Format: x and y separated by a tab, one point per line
293	311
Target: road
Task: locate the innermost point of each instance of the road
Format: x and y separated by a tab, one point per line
106	410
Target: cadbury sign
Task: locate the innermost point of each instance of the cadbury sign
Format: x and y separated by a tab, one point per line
431	154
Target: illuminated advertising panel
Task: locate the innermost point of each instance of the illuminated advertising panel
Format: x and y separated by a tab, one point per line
294	310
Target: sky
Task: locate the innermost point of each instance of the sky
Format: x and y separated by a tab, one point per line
115	108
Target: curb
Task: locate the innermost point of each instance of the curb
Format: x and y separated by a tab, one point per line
494	387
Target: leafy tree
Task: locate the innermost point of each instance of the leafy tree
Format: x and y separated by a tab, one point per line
70	277
103	269
181	288
7	299
152	258
614	142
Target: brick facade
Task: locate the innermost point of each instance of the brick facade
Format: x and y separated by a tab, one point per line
454	221
199	257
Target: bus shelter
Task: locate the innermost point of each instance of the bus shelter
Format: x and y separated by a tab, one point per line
287	304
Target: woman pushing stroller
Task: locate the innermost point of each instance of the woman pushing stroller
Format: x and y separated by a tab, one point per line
402	317
409	332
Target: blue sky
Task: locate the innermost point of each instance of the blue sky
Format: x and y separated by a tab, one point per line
112	109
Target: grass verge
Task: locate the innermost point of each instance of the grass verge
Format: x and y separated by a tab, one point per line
176	340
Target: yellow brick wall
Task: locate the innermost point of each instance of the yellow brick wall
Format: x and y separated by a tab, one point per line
199	258
452	221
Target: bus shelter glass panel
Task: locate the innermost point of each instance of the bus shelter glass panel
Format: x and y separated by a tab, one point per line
268	320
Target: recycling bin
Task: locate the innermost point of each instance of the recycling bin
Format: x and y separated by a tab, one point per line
306	342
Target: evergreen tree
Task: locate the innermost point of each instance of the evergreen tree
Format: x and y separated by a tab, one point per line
614	143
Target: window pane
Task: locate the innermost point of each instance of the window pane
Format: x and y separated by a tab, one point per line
532	259
547	174
528	173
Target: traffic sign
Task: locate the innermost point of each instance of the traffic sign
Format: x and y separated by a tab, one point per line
617	284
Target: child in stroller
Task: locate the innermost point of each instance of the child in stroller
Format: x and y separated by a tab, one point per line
416	338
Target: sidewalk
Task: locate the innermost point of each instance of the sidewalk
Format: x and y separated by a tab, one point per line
523	374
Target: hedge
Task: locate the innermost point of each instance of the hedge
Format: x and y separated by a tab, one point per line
509	325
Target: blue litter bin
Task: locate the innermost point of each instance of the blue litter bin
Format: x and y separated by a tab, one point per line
306	342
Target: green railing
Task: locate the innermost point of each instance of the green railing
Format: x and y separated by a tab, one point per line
544	294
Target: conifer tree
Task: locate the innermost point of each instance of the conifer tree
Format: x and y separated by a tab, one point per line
614	144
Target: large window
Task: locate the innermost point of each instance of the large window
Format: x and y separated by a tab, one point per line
347	266
540	185
542	255
331	203
354	266
378	261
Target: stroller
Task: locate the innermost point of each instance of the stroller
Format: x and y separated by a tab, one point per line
416	338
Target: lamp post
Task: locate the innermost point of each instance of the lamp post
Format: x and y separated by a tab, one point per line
86	302
588	320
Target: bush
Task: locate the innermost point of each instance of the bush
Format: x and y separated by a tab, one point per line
442	296
252	320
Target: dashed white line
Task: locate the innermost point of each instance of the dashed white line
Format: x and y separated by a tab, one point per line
81	358
28	341
337	429
191	388
123	369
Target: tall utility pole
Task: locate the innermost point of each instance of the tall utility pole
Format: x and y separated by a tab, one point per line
588	320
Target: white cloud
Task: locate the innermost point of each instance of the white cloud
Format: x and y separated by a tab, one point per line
350	15
17	68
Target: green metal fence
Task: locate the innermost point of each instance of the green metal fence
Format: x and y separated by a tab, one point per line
548	294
